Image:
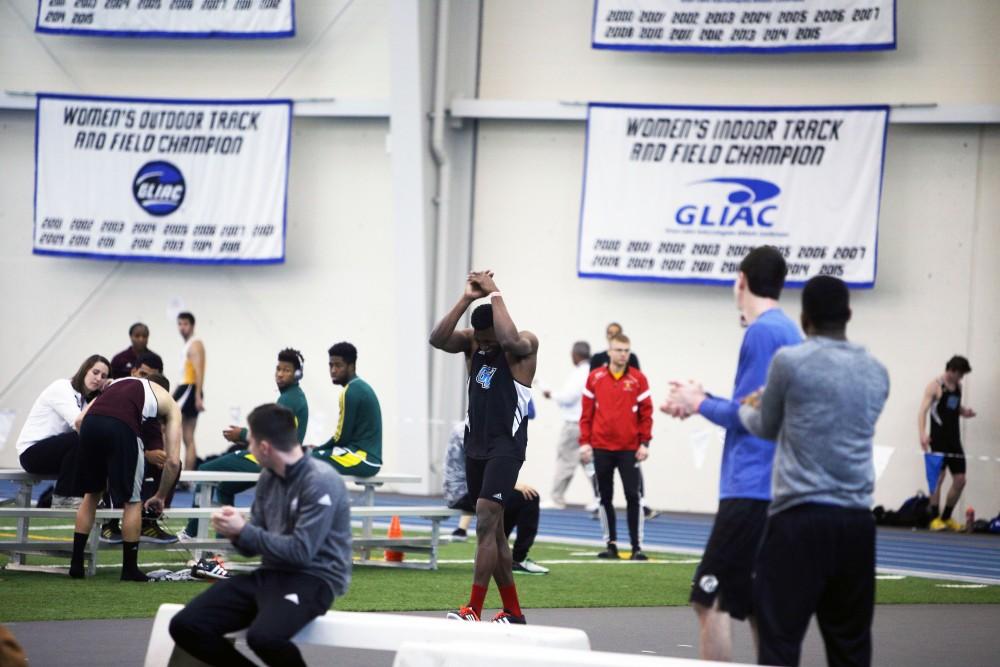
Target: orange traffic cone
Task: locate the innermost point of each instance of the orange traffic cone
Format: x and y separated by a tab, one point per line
395	532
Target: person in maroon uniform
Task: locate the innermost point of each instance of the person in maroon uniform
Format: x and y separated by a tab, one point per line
126	361
111	457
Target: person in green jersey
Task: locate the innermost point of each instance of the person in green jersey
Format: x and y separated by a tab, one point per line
239	459
356	446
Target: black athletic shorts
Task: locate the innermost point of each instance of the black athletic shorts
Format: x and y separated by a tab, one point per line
726	567
954	455
184	395
110	457
464	503
493	479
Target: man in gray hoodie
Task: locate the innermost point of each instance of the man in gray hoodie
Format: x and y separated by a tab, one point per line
820	404
300	525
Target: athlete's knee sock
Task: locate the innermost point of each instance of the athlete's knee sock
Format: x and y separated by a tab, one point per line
477	598
76	562
192	527
934	511
948	509
508	594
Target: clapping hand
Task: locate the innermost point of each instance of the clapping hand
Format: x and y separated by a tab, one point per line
753	400
684	400
228	522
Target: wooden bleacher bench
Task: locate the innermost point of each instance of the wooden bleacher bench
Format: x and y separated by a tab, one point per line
365	513
379	632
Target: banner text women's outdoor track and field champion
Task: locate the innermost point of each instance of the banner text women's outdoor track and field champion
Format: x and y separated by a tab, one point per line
683	193
161	180
746	26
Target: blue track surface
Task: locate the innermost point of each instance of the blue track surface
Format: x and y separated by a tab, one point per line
934	554
917	552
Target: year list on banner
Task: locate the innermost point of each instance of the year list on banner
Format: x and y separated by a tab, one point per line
226	19
761	26
200	181
683	193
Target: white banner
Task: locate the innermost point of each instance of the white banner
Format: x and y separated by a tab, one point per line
161	180
761	26
168	18
681	194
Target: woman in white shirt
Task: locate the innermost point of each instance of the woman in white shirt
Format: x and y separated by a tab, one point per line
48	442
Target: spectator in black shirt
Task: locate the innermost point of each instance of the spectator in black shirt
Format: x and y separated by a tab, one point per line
602	359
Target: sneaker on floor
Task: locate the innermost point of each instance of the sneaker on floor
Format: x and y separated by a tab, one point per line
637	554
459	535
593	505
463	614
508	618
152	531
111	532
528	566
938	524
953	526
611	552
553	505
210	568
182	536
649	513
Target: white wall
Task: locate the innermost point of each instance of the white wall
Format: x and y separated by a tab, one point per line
336	283
938	237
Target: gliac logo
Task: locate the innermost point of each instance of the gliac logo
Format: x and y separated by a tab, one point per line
745	209
485	376
159	188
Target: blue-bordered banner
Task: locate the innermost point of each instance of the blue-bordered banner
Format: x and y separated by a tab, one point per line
683	193
227	19
760	26
201	181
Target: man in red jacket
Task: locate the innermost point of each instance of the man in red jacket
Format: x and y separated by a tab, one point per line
616	426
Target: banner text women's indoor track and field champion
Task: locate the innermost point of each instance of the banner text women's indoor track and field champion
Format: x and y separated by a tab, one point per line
682	193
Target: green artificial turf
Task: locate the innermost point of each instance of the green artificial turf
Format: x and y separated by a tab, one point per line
577	579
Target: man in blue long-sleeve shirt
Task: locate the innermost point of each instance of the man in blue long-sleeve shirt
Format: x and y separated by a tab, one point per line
300	524
722	586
